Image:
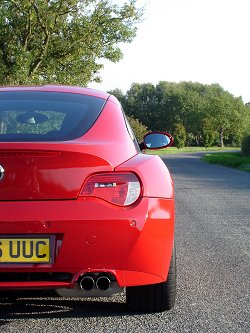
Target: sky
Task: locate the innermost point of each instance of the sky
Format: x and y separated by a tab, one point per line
204	41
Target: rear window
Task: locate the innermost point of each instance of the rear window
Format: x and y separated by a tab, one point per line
46	116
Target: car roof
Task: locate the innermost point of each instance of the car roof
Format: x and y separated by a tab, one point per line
58	88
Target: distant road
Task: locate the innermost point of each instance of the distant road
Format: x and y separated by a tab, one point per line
213	252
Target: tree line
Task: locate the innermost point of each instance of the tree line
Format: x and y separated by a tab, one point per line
194	113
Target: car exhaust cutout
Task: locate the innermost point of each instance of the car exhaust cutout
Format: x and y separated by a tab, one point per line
103	283
87	283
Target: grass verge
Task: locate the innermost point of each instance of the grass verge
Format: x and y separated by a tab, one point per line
174	150
230	159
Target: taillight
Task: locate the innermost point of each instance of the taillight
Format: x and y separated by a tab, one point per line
122	189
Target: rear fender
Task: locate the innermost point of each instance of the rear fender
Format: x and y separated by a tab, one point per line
156	179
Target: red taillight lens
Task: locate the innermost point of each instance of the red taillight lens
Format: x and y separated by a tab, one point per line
122	189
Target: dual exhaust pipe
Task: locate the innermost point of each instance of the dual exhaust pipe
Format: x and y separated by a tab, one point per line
88	282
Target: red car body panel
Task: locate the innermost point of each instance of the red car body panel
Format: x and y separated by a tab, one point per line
60	88
155	184
130	248
39	196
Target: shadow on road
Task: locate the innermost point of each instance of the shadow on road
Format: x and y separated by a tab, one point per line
37	305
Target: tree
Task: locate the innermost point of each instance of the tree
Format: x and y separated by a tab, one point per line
179	135
62	41
228	113
141	103
169	106
209	134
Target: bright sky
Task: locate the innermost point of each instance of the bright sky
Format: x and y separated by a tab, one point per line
204	41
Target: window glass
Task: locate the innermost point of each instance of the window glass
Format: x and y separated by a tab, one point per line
46	116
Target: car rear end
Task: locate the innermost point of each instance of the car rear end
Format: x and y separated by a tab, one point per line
81	210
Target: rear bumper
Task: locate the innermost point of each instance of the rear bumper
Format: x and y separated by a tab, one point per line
133	243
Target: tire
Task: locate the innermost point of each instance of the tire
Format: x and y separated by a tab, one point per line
155	297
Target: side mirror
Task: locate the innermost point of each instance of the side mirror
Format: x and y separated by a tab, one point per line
156	140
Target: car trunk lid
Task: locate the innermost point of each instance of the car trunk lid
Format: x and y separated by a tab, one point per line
42	174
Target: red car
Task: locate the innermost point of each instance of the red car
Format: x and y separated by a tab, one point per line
82	210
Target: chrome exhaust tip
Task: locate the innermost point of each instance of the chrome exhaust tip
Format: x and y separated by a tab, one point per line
87	282
103	282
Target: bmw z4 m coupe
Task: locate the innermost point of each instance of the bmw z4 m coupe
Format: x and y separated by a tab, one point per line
82	210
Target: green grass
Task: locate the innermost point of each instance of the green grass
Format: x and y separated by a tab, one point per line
230	159
174	150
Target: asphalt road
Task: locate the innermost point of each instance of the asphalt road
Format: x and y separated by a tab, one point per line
213	252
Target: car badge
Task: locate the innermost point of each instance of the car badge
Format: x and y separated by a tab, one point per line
1	172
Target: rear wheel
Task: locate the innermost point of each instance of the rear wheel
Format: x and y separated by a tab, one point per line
155	297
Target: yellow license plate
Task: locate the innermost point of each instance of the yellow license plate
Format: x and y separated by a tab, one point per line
24	250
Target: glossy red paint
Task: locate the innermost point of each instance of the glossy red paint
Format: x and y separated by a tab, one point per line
117	245
59	88
39	195
155	184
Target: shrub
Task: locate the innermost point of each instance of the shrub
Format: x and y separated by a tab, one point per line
138	128
245	147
